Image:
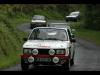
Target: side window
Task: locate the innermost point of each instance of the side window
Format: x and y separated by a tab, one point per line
34	34
31	36
69	34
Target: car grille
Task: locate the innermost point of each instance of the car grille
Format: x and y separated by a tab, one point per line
43	51
46	51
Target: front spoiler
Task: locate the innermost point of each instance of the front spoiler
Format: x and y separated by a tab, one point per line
44	56
62	58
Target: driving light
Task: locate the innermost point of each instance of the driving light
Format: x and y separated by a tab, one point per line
55	59
51	52
34	51
26	51
67	52
31	59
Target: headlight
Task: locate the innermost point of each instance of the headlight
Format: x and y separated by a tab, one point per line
32	21
60	52
27	51
67	51
34	51
51	52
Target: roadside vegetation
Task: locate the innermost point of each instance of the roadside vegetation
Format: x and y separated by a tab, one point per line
12	15
86	34
89	35
11	39
88	28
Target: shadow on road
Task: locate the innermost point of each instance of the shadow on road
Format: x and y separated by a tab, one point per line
47	69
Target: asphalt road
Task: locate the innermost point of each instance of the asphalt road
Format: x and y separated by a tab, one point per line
87	56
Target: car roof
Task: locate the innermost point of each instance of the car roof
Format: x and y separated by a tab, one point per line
59	25
48	27
75	12
38	15
65	28
66	24
35	16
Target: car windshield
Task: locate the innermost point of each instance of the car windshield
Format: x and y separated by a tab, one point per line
48	34
36	17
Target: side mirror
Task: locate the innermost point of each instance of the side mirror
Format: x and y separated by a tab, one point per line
73	36
25	39
73	40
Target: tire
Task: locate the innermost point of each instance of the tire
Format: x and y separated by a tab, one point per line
31	27
67	20
66	66
24	66
75	20
44	25
72	60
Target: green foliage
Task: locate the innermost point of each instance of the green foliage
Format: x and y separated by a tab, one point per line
91	16
11	41
49	14
89	35
12	15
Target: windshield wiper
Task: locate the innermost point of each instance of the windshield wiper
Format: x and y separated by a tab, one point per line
38	39
53	39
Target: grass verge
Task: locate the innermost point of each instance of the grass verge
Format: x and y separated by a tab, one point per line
11	41
11	38
87	34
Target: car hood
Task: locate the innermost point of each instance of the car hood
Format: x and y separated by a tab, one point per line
46	44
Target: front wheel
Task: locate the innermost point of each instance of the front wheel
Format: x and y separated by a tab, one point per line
24	66
72	60
66	66
31	26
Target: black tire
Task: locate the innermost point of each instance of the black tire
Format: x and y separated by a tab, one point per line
75	20
45	25
24	66
66	66
31	27
67	20
72	60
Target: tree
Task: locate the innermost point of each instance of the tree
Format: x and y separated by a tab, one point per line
92	16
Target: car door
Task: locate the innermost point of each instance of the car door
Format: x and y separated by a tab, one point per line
72	46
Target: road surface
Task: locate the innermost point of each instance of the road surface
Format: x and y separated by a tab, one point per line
87	56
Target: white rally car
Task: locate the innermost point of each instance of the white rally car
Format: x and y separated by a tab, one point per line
38	21
48	46
73	16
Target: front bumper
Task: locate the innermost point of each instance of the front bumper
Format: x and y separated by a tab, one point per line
38	23
71	18
62	59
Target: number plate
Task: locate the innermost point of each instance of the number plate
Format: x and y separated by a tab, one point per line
43	59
